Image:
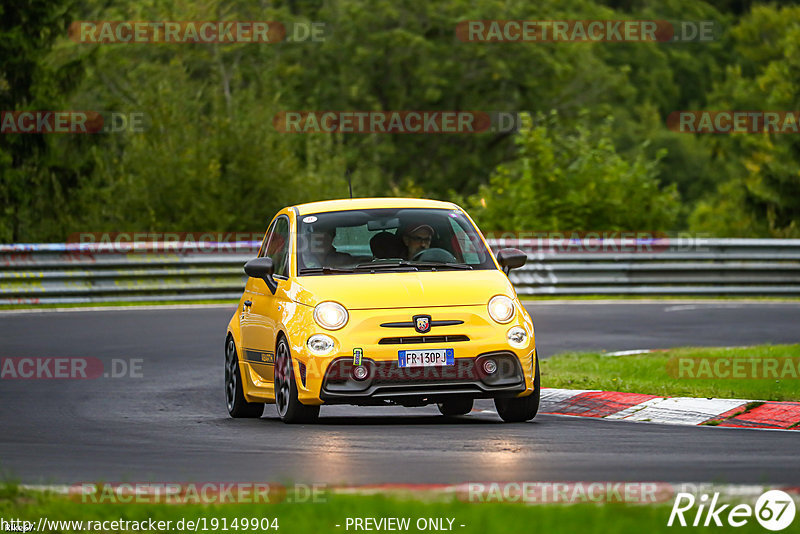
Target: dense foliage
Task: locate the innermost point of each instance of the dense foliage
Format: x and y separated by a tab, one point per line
594	152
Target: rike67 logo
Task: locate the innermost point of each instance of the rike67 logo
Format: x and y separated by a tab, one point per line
774	510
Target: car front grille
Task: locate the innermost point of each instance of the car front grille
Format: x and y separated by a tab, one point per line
404	340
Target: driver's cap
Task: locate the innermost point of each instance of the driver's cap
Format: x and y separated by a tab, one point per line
411	229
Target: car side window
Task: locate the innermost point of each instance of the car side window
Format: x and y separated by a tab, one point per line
278	246
467	248
262	251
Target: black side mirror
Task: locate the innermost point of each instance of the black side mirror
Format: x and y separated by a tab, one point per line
511	258
264	269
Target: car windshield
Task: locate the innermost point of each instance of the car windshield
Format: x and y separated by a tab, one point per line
389	240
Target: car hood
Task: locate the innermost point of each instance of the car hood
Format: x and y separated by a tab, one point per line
404	290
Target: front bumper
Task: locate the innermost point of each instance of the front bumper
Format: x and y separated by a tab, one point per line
328	379
387	381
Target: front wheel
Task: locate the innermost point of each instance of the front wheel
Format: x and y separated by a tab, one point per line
521	409
290	409
234	394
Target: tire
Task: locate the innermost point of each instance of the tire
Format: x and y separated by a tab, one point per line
290	409
521	409
234	394
455	407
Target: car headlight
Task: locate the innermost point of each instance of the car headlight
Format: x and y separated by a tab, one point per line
320	344
330	315
501	308
517	337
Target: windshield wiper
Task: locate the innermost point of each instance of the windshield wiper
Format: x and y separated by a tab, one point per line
441	264
415	264
325	270
393	264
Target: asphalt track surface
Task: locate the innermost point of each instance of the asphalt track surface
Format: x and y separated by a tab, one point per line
171	424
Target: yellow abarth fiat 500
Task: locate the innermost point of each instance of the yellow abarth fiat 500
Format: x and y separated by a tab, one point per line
377	301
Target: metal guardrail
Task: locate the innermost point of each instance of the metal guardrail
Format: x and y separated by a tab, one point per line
56	273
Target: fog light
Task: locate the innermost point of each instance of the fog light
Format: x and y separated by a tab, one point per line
489	367
320	344
360	372
517	337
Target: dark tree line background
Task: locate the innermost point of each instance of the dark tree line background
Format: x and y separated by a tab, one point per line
595	154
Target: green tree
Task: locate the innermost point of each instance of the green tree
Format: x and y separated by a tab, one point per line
763	185
31	182
573	180
212	159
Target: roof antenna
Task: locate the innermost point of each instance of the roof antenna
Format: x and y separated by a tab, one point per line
349	183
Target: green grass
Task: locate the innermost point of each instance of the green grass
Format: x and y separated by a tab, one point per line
649	373
295	518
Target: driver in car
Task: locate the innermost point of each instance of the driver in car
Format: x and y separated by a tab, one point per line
417	238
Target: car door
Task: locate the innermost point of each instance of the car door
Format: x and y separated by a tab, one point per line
261	318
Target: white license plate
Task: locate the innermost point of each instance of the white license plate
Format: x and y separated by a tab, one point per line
425	358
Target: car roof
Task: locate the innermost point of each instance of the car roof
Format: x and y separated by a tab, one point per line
370	203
